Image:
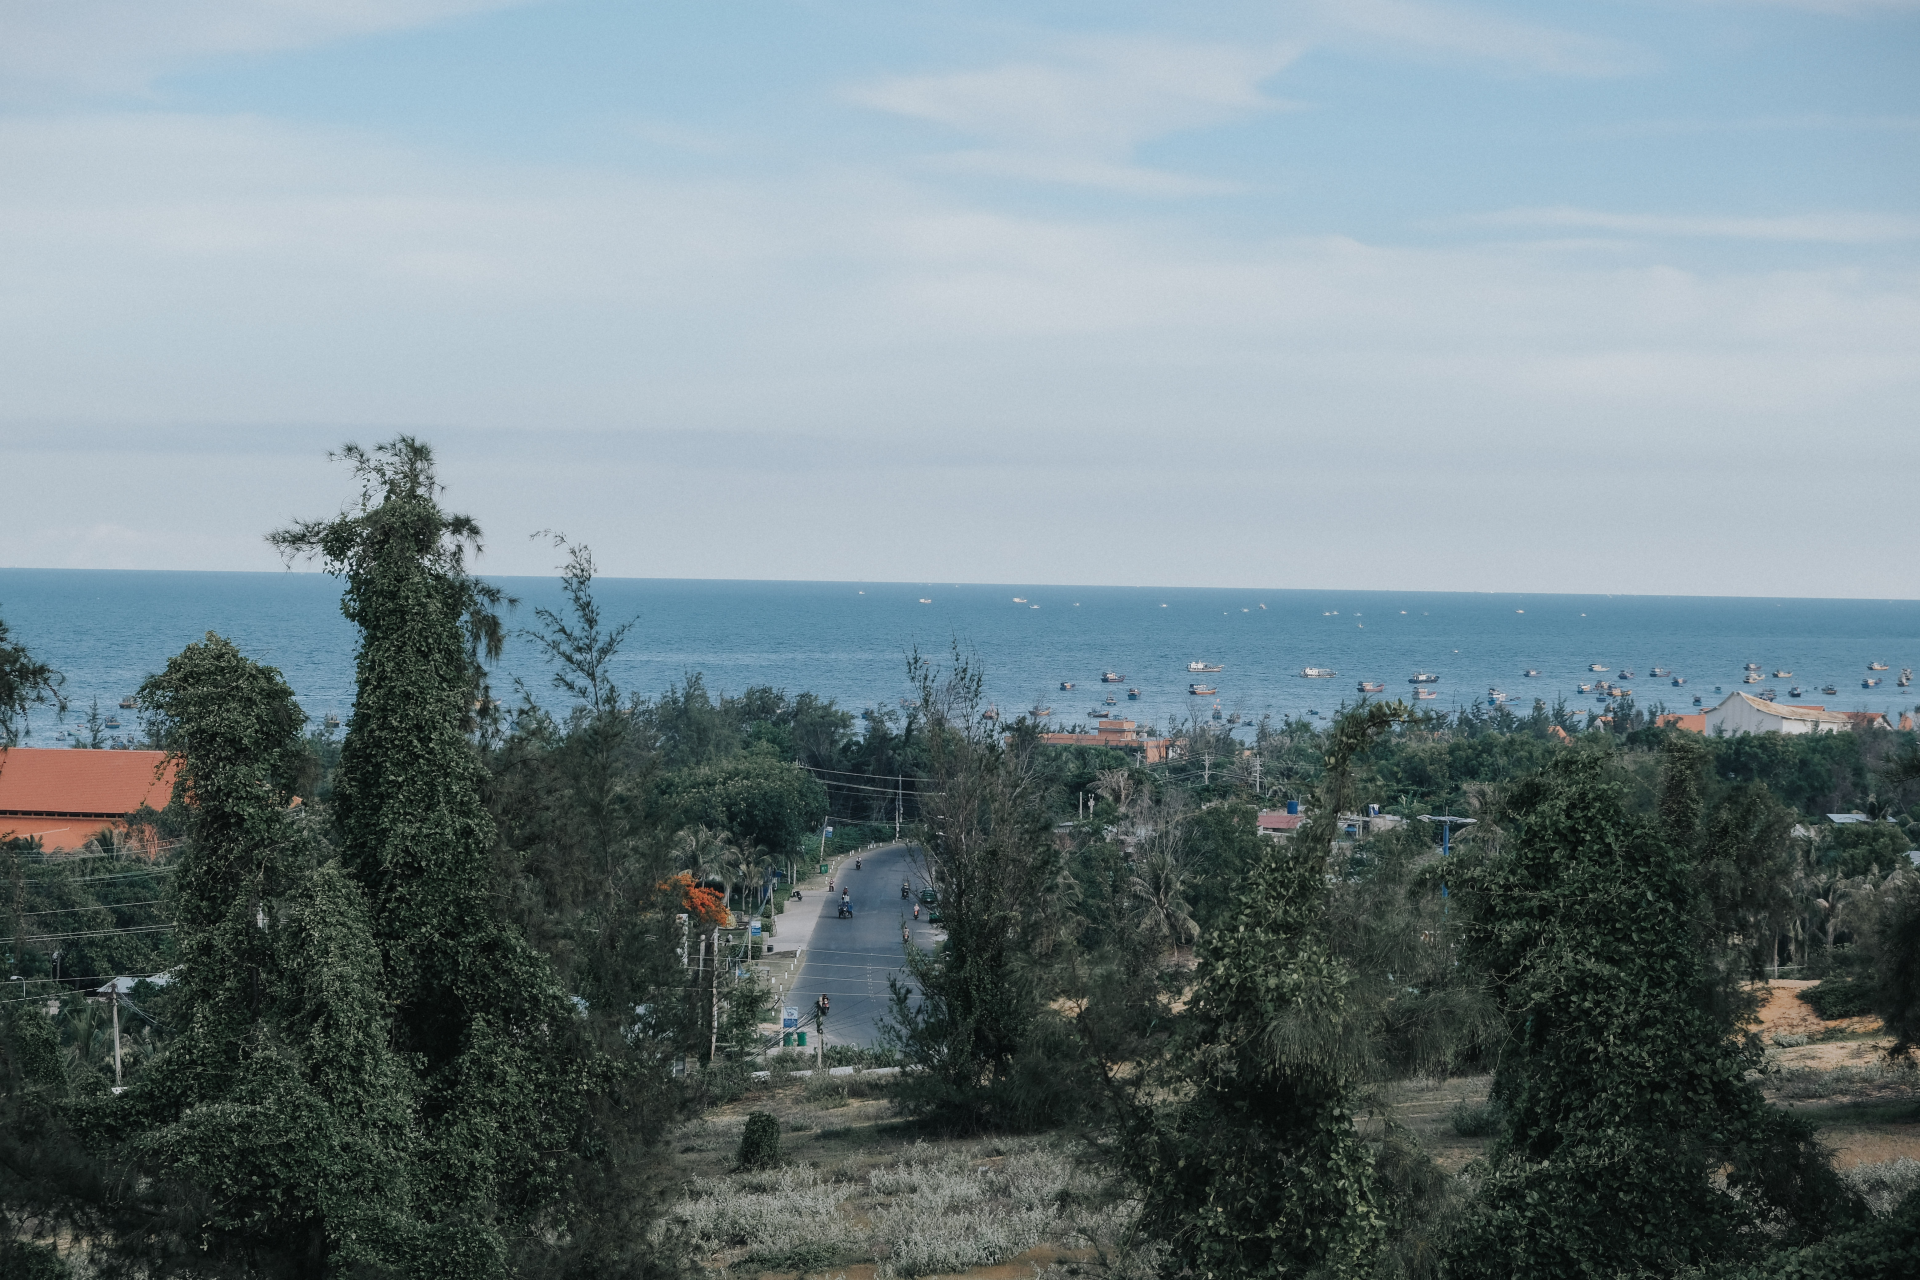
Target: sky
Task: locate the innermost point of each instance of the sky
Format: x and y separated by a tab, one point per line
1613	296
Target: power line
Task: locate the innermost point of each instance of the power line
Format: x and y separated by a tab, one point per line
93	906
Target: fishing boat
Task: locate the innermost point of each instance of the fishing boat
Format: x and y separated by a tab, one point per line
1598	666
1795	692
1112	677
1318	673
925	600
126	703
1133	693
1782	675
1042	712
1019	599
1586	688
1530	672
1372	686
1829	690
1696	699
1771	695
1495	697
1202	690
1678	681
1868	683
332	721
1233	717
1423	677
1066	684
1752	677
1204	666
991	713
113	722
1658	672
1753	666
1424	695
1112	701
1625	674
1876	666
1218	714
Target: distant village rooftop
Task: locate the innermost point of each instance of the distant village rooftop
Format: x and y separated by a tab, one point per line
1123	734
67	797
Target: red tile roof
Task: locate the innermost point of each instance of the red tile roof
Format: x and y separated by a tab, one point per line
1275	820
76	784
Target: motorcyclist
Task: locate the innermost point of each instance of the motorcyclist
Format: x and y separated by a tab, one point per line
905	889
856	864
916	911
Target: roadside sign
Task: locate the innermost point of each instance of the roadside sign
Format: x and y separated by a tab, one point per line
829	830
789	1018
754	930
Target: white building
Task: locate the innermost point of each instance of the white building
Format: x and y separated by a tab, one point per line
1743	713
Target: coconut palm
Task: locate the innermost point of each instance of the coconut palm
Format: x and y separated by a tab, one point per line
708	855
1157	889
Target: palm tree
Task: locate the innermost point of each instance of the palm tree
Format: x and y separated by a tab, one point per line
708	855
1157	889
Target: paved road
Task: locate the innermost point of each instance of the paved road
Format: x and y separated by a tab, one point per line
850	960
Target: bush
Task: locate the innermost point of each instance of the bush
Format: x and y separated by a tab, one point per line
1839	998
1475	1119
760	1142
1884	1185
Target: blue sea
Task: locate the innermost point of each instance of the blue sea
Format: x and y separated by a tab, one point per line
107	630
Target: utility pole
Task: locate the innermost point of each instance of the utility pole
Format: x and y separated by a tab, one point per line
899	783
713	1044
115	988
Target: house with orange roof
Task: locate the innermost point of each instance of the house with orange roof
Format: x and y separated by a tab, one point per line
1124	734
67	797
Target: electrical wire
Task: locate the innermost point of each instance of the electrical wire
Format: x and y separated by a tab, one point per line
93	906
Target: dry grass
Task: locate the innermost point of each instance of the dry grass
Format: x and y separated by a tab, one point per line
862	1194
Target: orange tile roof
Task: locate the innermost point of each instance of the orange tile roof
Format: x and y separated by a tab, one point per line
82	784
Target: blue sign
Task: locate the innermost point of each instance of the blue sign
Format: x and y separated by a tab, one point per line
789	1018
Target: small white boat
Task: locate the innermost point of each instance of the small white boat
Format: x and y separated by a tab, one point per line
1202	690
1203	666
1876	666
1133	693
1530	672
1112	677
1066	684
1598	666
1039	712
925	600
1868	683
1423	677
1019	599
1781	675
1318	673
1752	677
1424	695
1658	672
1678	681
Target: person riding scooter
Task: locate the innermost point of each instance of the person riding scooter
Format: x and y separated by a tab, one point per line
905	890
856	864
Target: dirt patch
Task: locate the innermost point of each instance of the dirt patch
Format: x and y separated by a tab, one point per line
1784	1013
1872	1146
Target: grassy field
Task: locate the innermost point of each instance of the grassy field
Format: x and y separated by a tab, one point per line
862	1194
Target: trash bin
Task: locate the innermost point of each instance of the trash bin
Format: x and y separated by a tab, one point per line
803	1038
786	1039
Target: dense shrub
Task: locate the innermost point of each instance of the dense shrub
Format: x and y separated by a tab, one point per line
1839	998
760	1142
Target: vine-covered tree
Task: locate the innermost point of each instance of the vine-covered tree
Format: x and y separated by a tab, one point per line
502	1070
25	683
1632	1141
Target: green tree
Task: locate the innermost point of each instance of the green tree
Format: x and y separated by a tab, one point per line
986	1051
1242	1138
760	801
502	1073
1632	1141
25	683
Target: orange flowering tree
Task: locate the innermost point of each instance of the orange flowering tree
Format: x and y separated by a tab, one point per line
698	901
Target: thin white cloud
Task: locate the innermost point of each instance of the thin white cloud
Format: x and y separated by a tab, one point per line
118	46
1459	32
1078	115
1821	228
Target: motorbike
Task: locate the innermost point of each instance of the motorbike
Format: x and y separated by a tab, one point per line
856	864
845	911
903	890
